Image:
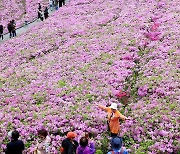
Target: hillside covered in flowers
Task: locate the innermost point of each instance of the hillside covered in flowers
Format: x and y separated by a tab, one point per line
19	10
56	74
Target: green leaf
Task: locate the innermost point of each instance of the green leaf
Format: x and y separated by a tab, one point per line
61	83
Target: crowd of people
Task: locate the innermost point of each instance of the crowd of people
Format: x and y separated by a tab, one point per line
70	145
52	4
41	15
11	29
86	144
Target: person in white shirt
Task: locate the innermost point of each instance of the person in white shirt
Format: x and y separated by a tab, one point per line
43	145
51	4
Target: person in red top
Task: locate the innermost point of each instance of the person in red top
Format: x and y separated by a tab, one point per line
113	118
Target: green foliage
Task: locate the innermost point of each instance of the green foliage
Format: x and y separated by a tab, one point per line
99	152
110	62
143	51
132	43
2	81
9	126
85	68
104	144
173	106
105	56
126	25
128	141
1	84
131	82
6	140
35	116
39	98
85	117
13	109
144	145
90	97
171	51
28	144
61	83
74	108
88	107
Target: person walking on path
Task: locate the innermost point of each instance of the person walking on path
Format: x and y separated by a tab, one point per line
69	145
1	31
10	27
63	1
13	28
39	6
15	146
51	4
116	145
113	116
56	4
40	14
46	14
60	3
25	19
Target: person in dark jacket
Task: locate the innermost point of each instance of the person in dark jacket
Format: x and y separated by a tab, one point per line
39	6
13	28
46	14
15	146
63	1
40	14
60	3
39	11
10	27
70	145
1	31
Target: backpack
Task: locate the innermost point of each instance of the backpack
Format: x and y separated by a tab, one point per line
62	150
121	152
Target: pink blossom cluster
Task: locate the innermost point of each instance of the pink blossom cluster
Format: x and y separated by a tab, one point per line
15	9
156	110
56	74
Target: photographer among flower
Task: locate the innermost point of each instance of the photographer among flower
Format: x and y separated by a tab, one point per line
87	145
43	144
69	145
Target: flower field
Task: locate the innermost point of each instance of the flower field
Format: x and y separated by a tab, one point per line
56	74
15	9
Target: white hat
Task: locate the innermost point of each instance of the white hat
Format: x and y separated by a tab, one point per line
10	133
113	106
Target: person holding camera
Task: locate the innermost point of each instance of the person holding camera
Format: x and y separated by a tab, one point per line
87	145
43	144
69	145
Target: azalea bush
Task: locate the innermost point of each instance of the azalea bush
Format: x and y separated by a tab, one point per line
90	53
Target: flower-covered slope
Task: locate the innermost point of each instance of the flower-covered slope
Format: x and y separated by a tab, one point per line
15	9
56	74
